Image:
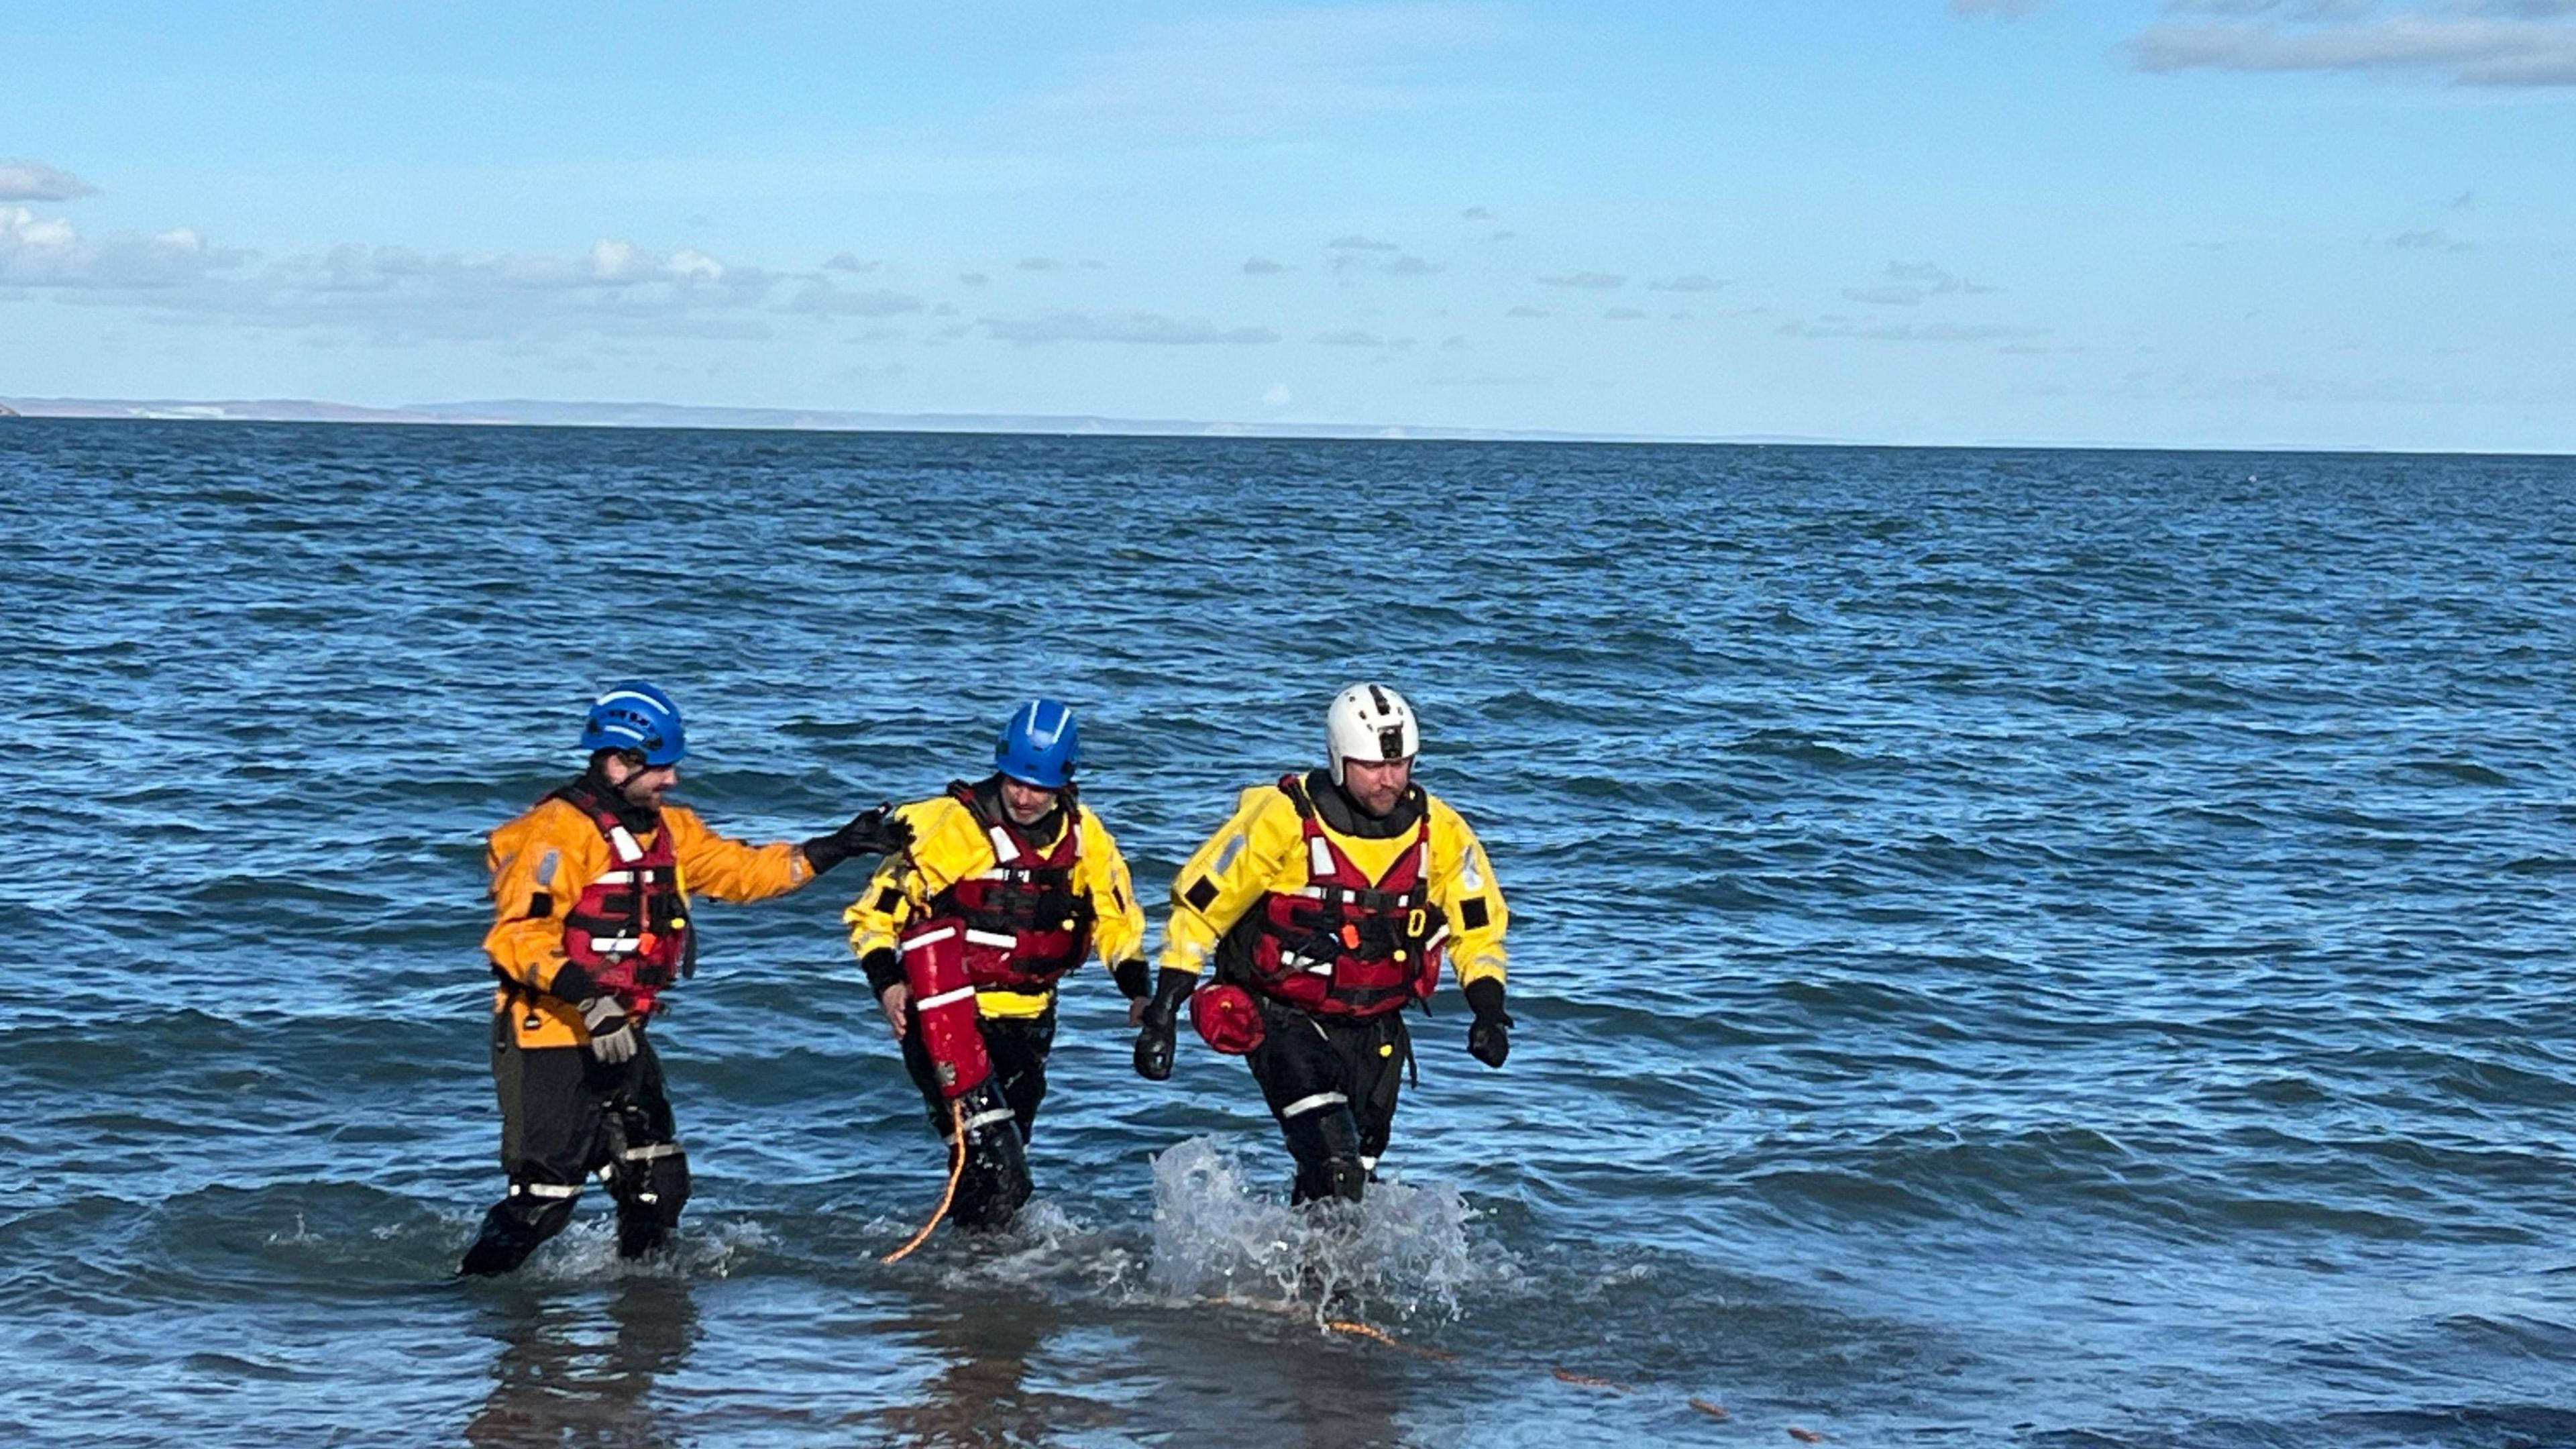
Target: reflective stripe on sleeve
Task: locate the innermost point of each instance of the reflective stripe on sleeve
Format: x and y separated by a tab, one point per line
988	1118
651	1151
544	1189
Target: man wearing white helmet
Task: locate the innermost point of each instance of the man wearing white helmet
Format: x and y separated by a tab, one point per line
1325	906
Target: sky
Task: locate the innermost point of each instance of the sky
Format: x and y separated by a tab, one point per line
2191	223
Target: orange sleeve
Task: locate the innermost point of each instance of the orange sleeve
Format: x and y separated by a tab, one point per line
727	869
539	864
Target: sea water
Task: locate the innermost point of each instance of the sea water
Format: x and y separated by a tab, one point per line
2056	948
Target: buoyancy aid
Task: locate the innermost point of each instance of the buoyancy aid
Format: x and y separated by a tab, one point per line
1022	924
629	929
1342	944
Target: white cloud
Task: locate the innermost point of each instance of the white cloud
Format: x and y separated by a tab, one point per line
1278	396
849	262
1695	282
2433	240
49	252
2468	42
389	293
1910	284
820	298
22	179
1262	267
1836	327
1591	281
1138	327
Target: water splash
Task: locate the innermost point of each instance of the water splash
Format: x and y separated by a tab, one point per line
587	1251
1403	1251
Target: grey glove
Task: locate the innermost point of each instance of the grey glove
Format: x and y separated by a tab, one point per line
611	1044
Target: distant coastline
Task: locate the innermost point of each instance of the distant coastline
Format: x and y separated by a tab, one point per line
536	413
521	412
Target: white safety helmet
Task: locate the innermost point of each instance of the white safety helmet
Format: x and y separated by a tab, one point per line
1369	722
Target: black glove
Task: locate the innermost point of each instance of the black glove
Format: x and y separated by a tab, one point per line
1489	1040
883	969
1132	978
870	832
1156	1035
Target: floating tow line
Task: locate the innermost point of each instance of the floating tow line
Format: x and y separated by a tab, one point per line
948	1194
1380	1335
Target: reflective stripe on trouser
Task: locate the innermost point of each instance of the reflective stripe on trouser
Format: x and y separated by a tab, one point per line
1333	1086
564	1116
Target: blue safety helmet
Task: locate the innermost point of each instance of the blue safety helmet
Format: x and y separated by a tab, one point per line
637	717
1041	745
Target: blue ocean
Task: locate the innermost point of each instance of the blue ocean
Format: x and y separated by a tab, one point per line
2043	948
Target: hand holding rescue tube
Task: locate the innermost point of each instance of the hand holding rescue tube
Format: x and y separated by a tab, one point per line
1489	1039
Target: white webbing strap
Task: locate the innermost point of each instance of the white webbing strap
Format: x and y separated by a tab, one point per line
623	842
928	938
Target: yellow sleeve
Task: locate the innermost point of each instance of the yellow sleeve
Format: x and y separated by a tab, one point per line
725	868
947	846
1119	930
537	873
1244	858
1463	887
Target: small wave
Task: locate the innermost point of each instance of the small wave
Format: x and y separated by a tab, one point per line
1404	1250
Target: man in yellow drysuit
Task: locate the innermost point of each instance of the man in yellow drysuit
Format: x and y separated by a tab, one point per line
1019	882
590	900
1326	906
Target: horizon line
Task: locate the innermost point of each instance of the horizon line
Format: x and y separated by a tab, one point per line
690	417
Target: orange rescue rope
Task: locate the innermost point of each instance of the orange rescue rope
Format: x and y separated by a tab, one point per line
948	1194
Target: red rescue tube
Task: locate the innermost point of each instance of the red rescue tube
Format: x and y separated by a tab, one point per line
943	1001
1227	1018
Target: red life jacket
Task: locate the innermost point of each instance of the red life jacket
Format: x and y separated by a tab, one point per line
1023	923
1343	944
629	929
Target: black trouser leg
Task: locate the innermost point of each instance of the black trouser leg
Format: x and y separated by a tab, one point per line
548	1120
648	1174
999	1115
1332	1085
565	1115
